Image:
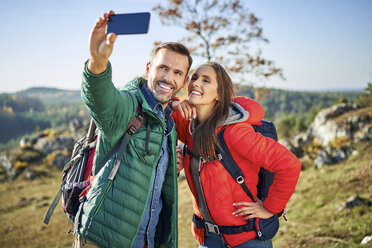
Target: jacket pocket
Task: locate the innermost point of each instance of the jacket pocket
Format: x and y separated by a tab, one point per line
266	228
97	193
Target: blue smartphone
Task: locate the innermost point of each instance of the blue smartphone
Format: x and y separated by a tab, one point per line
130	23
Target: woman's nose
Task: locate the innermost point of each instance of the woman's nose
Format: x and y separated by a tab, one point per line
196	83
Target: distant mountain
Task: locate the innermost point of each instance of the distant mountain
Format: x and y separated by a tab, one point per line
51	94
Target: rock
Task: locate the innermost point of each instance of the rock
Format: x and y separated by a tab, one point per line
298	144
22	202
60	161
352	202
47	145
30	174
24	142
44	198
366	240
364	134
323	158
300	140
30	141
326	129
332	155
6	165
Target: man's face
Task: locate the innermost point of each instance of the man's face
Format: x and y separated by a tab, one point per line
167	74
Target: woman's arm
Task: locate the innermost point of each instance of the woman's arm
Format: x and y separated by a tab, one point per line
182	114
264	152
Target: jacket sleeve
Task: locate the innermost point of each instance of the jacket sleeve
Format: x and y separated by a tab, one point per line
270	154
182	126
111	109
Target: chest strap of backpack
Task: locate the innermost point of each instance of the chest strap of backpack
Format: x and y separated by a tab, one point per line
132	129
212	228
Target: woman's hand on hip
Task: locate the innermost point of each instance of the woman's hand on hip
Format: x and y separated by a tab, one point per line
249	210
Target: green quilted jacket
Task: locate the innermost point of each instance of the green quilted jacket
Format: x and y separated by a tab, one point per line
113	211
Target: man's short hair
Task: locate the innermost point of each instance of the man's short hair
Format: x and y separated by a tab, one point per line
175	47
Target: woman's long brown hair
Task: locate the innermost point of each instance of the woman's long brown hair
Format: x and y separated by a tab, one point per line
204	136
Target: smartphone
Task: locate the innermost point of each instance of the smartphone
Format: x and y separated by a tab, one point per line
129	23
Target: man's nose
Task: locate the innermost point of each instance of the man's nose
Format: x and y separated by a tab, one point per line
168	76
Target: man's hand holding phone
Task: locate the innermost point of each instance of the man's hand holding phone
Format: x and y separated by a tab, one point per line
100	45
105	32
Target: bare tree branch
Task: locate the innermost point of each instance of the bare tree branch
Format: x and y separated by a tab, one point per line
222	31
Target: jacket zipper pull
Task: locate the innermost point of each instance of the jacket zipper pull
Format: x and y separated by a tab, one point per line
284	213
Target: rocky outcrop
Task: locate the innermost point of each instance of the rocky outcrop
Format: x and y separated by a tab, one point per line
332	155
329	138
49	147
325	128
7	167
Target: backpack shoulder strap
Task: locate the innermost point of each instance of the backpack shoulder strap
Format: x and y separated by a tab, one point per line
230	165
132	129
122	144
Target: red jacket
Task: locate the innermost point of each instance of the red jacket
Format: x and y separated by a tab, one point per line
250	151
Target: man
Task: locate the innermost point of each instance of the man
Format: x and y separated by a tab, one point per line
138	208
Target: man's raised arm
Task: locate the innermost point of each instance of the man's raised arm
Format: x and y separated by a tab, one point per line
100	45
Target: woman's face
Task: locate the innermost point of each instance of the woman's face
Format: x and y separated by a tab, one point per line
203	87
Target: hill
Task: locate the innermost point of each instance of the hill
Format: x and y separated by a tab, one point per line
35	108
278	102
51	94
313	218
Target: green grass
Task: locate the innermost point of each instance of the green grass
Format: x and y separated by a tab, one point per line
313	220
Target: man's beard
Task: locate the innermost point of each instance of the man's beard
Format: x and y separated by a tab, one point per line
161	99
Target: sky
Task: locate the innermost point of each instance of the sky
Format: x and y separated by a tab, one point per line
319	44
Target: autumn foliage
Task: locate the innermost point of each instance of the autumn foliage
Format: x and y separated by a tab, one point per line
221	31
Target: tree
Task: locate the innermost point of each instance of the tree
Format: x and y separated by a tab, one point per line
221	31
365	98
286	126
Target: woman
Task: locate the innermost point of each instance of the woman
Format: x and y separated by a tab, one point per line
217	197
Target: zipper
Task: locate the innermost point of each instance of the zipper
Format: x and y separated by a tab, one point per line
259	233
205	202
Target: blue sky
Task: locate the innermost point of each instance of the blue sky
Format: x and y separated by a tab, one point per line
318	44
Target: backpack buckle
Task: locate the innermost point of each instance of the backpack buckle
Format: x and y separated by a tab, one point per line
132	130
212	228
240	179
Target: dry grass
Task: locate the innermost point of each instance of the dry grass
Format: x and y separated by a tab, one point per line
313	220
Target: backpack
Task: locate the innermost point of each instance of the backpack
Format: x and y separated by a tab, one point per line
264	228
265	177
77	173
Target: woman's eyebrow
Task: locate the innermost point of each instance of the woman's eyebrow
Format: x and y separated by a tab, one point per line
206	76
